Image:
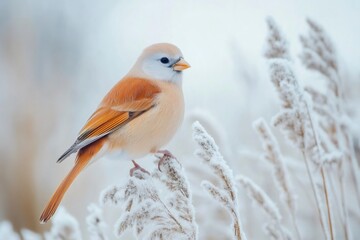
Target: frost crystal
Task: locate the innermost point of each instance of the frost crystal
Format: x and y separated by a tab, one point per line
7	232
30	235
226	194
277	46
64	226
273	155
260	197
150	215
95	222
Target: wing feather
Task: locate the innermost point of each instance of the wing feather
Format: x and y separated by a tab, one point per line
126	101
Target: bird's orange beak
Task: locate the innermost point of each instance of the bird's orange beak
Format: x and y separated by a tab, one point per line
181	65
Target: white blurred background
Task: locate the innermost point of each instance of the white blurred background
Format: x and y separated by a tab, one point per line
59	58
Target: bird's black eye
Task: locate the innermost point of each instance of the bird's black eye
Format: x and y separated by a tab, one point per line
164	60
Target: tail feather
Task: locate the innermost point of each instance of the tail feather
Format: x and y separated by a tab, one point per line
83	158
60	191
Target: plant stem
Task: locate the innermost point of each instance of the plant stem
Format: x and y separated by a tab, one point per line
343	202
315	193
327	202
322	173
293	219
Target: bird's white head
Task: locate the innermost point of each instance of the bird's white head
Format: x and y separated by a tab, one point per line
161	61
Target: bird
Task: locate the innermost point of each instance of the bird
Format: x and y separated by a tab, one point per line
138	116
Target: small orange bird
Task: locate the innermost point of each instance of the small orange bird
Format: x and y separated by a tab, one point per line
139	115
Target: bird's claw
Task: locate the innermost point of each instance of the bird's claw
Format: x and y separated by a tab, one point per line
166	154
137	167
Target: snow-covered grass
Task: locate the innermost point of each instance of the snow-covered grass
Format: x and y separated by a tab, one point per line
303	184
226	193
149	214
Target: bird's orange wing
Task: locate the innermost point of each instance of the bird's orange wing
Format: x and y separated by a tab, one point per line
106	119
126	101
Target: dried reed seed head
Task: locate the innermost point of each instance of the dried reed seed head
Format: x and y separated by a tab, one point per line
218	194
95	222
260	197
277	46
316	96
64	226
205	141
172	175
112	195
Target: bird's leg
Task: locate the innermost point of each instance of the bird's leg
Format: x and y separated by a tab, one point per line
136	167
166	153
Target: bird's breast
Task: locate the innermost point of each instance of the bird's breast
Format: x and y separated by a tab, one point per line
154	128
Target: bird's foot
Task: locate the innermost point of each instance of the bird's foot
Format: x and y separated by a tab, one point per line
166	154
137	167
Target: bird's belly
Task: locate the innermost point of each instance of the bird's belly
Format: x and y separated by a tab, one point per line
151	130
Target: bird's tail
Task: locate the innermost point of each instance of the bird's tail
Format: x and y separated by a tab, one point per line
83	158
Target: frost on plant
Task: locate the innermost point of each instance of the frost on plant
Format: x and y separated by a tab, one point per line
335	136
274	233
30	235
274	156
319	55
226	194
7	232
261	199
150	215
96	223
335	124
256	194
64	226
297	121
294	118
172	175
277	46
